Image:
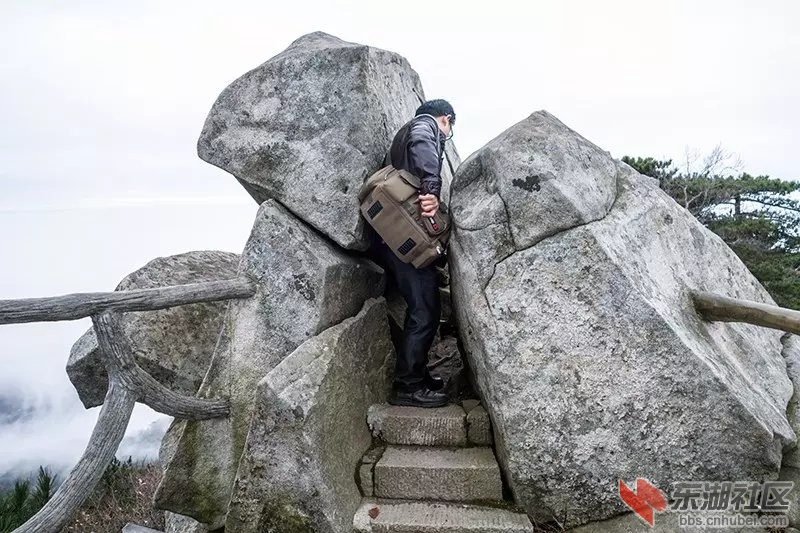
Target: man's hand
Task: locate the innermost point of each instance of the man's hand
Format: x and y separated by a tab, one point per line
428	204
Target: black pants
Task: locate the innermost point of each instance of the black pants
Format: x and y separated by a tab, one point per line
420	289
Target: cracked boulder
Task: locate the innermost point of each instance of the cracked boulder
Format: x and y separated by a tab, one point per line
304	285
308	432
173	345
570	278
308	126
533	180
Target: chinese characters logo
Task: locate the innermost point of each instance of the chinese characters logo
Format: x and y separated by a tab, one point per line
645	500
699	500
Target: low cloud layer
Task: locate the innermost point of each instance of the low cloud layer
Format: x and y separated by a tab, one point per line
82	250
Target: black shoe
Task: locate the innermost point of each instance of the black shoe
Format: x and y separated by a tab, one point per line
423	397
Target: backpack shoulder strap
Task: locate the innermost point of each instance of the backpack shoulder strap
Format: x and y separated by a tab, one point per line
398	145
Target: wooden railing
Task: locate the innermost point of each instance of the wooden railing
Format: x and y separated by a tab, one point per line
722	308
128	383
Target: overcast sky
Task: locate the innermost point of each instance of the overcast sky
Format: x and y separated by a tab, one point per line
102	102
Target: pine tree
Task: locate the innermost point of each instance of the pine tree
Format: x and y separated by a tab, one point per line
20	503
755	215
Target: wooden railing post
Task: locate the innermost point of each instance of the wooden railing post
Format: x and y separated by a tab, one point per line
81	305
716	307
127	381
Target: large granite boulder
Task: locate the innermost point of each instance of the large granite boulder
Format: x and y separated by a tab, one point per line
304	284
174	345
575	313
308	431
308	126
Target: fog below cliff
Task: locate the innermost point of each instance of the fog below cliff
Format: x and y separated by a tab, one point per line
55	250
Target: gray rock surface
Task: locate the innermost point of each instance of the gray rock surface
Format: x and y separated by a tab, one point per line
366	482
308	433
174	345
667	522
589	356
169	442
533	180
479	428
173	522
304	286
176	523
309	125
470	404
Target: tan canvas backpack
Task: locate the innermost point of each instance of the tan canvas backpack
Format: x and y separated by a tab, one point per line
390	204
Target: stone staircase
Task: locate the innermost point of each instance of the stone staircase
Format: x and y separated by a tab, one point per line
433	471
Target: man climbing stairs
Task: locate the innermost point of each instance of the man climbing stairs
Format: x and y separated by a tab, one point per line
433	471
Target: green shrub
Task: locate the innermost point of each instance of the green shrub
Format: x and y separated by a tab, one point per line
20	503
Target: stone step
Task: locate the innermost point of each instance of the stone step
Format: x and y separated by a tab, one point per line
397	516
427	473
440	426
479	427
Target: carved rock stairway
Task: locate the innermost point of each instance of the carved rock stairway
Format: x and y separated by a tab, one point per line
433	471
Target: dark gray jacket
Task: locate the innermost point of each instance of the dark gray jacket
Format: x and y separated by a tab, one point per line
418	147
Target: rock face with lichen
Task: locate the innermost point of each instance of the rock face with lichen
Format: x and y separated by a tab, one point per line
308	126
308	431
570	275
304	284
173	345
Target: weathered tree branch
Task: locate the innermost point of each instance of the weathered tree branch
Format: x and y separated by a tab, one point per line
82	479
75	306
703	192
127	382
715	307
120	361
771	204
